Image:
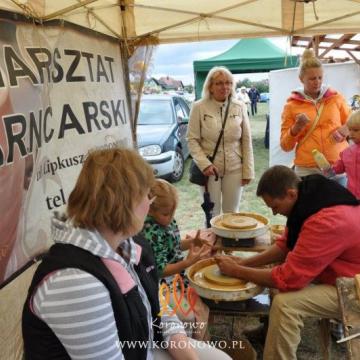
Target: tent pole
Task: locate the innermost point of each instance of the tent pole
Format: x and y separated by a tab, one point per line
124	50
315	45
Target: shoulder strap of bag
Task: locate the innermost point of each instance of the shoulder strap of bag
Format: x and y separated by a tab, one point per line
222	130
313	126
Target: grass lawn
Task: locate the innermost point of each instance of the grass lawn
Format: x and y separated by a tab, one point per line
189	214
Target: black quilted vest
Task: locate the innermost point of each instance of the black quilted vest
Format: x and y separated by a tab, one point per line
130	314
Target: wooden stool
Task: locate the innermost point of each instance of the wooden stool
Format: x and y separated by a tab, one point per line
349	304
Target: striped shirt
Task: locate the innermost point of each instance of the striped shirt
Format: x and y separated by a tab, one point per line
77	306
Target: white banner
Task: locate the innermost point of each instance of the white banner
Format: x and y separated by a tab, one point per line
61	94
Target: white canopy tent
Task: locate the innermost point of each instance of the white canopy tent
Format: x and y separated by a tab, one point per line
189	20
28	97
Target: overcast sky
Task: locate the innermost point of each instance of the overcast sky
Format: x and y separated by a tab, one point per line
176	60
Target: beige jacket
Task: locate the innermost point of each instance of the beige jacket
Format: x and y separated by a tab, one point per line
235	153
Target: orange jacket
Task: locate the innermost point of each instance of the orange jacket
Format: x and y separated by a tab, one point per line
334	114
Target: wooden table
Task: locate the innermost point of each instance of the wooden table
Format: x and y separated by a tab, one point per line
350	311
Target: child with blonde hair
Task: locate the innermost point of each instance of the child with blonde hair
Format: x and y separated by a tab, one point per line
161	230
349	161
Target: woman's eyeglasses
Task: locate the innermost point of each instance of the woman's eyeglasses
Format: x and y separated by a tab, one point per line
151	198
223	83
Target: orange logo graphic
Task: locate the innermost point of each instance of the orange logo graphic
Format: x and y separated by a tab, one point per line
179	298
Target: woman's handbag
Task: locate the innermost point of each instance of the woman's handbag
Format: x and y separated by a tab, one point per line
196	175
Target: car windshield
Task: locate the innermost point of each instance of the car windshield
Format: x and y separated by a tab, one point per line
155	112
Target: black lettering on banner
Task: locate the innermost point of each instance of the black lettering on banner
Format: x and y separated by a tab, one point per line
91	115
116	112
110	60
10	122
41	65
75	160
101	70
103	111
16	67
48	137
60	72
73	124
88	57
73	66
62	163
35	130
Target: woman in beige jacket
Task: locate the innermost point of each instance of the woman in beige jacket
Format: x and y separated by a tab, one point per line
234	161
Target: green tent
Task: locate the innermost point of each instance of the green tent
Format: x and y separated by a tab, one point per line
246	56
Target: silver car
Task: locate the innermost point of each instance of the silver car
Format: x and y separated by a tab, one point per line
161	132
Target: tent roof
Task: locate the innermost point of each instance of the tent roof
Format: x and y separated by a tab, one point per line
189	20
251	49
249	55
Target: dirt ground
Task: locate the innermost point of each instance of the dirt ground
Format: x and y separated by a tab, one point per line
309	349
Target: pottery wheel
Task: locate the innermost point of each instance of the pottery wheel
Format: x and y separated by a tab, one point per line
212	273
239	222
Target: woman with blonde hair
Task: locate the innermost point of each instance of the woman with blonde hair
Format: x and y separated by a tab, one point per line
314	117
233	165
95	294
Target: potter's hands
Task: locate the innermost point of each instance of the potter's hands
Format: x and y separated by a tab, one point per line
211	170
228	265
301	120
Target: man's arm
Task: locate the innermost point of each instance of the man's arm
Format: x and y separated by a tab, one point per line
269	256
230	267
244	268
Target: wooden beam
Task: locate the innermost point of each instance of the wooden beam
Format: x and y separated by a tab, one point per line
336	44
315	44
353	57
315	25
292	15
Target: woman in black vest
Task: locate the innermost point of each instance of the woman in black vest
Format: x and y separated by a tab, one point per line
95	294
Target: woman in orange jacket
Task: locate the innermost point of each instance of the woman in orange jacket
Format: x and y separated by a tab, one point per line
314	117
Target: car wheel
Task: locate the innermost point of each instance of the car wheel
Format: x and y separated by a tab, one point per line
178	169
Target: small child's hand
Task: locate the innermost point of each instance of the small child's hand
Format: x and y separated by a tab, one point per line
337	136
197	241
204	237
329	173
197	253
208	235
